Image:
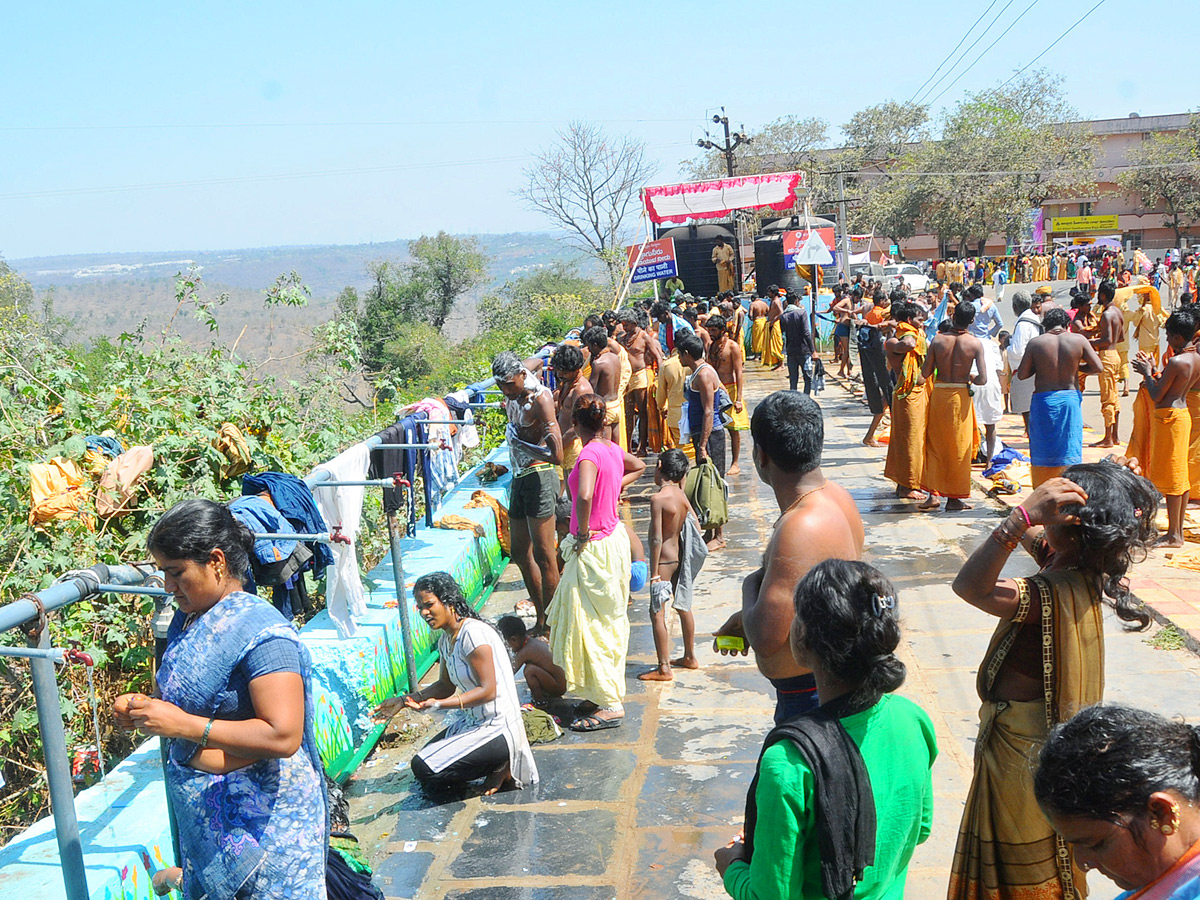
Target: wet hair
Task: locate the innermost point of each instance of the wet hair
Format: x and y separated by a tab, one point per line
903	311
790	429
658	310
945	326
567	358
1181	323
1021	301
673	464
590	412
443	586
1116	529
628	316
594	336
506	365
1056	317
849	621
1106	761
643	319
964	314
609	320
716	320
511	627
898	295
193	529
593	321
702	306
562	510
975	292
691	344
772	290
1107	289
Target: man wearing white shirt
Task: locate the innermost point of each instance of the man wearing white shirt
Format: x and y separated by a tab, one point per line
1028	326
999	279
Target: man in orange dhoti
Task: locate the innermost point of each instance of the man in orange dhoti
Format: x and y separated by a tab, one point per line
951	435
1170	425
906	447
1111	336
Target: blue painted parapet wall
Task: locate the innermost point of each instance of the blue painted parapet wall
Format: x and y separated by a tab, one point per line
123	820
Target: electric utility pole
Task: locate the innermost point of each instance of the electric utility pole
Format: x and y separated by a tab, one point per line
732	142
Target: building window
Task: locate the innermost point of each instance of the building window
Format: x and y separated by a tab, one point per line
1085	209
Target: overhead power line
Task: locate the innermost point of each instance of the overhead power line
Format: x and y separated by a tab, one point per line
985	52
1078	22
954	65
955	50
136	126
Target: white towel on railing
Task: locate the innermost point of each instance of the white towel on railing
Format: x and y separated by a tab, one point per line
342	506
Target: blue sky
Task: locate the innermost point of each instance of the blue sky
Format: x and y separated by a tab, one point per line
427	112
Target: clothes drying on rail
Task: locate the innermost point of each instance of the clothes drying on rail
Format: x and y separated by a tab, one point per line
458	404
386	463
342	507
292	497
277	563
442	464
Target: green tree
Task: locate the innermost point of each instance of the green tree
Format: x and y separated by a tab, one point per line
1165	172
16	293
447	267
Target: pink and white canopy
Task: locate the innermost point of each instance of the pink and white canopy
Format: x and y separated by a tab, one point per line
716	199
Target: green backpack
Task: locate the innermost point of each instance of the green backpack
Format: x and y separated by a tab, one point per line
708	493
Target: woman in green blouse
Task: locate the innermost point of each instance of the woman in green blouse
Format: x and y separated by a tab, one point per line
865	754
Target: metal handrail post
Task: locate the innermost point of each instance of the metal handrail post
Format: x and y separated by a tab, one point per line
58	770
410	655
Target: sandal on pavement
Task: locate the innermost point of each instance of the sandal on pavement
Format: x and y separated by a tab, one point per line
594	723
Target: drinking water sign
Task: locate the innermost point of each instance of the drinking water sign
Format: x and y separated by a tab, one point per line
657	260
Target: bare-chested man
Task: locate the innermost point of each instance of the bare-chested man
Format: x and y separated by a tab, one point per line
570	385
643	356
726	356
605	376
773	352
842	311
1054	360
950	434
535	445
704	417
758	326
818	521
1109	340
905	352
1170	429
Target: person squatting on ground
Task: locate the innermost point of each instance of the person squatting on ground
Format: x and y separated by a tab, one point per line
485	735
1045	662
588	616
535	447
242	770
545	678
677	552
818	521
842	794
1122	787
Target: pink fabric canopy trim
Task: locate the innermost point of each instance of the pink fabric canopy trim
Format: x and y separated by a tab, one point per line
714	199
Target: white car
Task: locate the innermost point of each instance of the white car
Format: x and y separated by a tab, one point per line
913	278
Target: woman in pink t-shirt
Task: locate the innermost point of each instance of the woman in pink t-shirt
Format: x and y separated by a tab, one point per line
588	617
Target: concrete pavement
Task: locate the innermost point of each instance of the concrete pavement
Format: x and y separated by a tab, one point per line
636	812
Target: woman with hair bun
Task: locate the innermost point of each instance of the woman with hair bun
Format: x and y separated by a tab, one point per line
242	772
1122	787
843	793
588	616
1045	662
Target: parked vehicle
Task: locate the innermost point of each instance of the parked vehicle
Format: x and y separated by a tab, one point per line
912	278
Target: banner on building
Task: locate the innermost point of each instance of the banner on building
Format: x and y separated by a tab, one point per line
657	260
1084	223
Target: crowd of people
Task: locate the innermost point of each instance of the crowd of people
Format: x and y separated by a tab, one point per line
842	792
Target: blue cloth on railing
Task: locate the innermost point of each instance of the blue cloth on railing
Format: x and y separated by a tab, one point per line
293	498
109	446
260	516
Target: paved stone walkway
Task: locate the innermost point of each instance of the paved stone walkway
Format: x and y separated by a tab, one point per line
637	812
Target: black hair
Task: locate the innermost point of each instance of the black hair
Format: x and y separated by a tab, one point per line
590	412
628	316
690	343
790	429
690	316
849	621
1003	336
609	319
702	306
643	319
511	627
1106	761
658	310
562	509
772	290
443	586
593	321
945	326
1181	323
567	358
902	311
1107	289
1116	529
716	320
193	529
1056	317
339	808
594	336
964	314
975	292
674	464
898	295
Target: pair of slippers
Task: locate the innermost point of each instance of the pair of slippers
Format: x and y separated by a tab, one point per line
588	720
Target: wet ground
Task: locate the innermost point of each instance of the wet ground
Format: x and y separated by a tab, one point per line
636	812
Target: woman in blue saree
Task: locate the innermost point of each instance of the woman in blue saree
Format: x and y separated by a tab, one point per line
243	774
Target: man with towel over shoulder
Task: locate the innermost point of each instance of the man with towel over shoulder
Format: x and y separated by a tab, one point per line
1053	360
1170	427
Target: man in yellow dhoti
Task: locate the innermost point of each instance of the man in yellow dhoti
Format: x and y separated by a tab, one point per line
1171	423
1147	321
758	326
722	258
773	348
1110	337
951	435
668	396
906	447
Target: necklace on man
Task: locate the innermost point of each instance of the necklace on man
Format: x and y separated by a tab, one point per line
796	502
